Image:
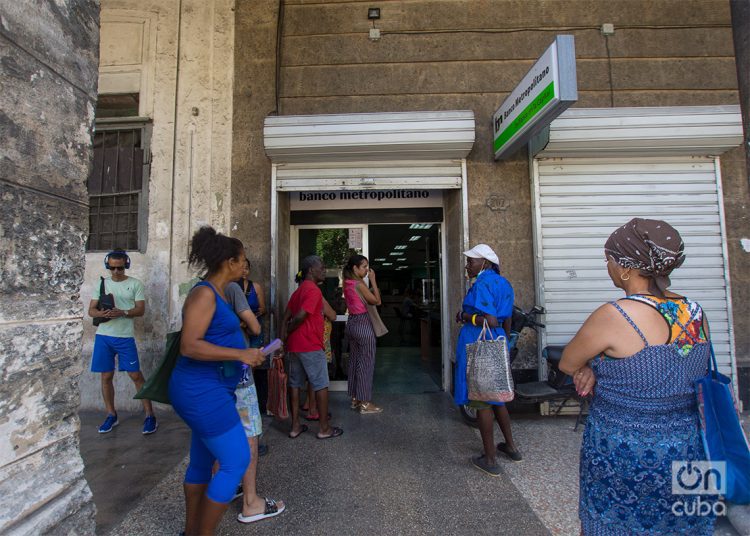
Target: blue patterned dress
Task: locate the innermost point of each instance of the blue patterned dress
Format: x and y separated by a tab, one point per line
643	416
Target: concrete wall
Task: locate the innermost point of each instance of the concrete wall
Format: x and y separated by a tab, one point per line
185	74
48	67
449	54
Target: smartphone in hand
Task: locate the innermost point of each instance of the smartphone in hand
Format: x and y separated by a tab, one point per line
272	347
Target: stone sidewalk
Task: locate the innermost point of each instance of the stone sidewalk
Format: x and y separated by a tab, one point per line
405	471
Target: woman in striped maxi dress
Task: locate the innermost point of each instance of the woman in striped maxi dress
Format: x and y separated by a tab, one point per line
360	332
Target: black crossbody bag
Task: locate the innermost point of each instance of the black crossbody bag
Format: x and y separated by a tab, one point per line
106	302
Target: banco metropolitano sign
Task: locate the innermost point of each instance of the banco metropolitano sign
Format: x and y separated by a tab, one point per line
545	92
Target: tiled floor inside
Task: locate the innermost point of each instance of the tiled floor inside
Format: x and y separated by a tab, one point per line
403	370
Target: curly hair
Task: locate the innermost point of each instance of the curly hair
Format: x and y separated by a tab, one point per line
209	249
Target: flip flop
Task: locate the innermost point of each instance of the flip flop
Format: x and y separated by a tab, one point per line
481	463
512	454
302	430
335	432
272	509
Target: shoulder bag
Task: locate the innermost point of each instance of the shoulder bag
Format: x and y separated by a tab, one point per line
277	389
488	374
157	386
106	302
722	433
377	323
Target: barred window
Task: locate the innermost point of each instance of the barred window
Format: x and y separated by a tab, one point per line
118	183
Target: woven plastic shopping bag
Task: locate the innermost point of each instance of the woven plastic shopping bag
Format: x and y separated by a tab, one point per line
277	394
722	432
488	374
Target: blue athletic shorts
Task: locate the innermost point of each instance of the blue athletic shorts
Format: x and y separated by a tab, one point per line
105	349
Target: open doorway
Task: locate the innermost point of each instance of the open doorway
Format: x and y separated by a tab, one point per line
406	258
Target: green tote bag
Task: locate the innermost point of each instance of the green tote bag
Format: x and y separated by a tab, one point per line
157	386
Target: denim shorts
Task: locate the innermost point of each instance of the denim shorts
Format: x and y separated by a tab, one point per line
247	407
310	366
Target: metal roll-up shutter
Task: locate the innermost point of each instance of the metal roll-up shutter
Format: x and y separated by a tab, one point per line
579	202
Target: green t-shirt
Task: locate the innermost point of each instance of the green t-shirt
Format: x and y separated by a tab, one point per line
126	293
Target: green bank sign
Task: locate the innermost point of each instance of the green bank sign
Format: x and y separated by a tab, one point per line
545	92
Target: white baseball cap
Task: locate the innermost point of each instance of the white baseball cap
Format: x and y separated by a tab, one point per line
483	251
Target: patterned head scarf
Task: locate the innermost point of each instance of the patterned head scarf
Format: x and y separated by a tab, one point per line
653	247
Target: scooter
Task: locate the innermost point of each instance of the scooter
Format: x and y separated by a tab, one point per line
557	386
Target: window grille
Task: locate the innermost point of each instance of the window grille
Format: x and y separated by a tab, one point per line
117	204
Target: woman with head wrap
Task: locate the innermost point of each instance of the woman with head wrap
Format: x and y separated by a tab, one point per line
643	354
490	299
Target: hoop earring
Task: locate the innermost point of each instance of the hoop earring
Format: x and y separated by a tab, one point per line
622	276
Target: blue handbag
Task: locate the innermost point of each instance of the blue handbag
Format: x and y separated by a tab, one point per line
722	433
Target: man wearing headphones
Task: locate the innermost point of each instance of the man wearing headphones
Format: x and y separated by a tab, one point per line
115	336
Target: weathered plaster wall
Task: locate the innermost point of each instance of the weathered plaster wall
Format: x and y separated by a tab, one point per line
190	103
48	67
254	99
736	211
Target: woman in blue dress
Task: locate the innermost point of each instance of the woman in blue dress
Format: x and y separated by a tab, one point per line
648	349
204	379
489	299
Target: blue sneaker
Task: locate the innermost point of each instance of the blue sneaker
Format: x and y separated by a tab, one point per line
109	423
150	425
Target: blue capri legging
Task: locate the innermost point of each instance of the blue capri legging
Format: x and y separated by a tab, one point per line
233	453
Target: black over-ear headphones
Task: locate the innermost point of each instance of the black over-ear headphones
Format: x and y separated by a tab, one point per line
118	253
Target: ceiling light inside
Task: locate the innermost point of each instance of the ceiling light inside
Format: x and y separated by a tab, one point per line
414	238
399	247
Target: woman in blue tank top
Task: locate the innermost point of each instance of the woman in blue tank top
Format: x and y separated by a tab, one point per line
202	384
255	299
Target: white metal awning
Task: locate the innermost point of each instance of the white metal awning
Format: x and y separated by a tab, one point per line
369	175
370	136
666	131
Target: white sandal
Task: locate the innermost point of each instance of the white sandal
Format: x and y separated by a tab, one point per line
271	510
